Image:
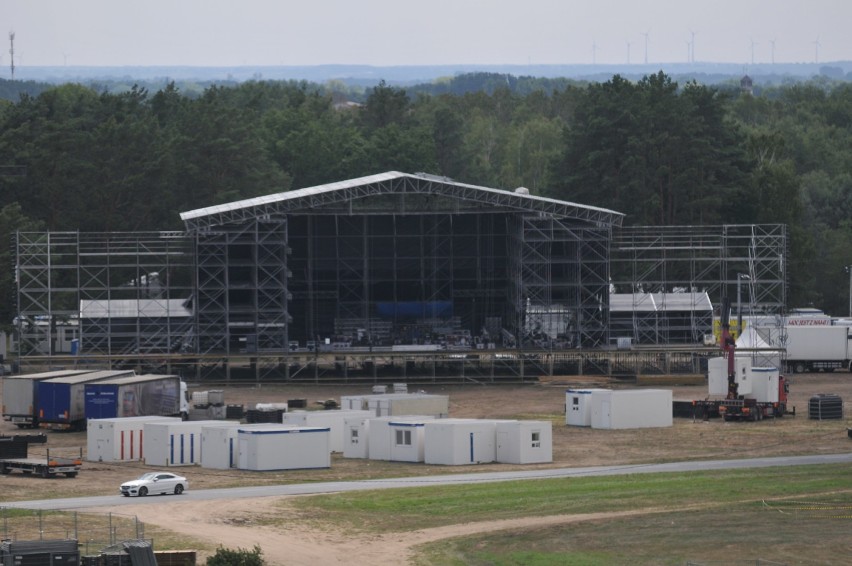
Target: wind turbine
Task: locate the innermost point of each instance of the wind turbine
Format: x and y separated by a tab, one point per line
692	44
772	41
646	44
628	52
594	52
753	43
816	50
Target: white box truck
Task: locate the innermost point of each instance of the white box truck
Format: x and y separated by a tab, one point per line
815	348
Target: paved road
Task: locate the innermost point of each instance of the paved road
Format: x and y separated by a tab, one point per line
454	479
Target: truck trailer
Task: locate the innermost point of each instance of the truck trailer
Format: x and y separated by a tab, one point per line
137	396
62	400
816	348
20	396
14	455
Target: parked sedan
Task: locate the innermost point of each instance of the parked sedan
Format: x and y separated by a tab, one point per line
154	483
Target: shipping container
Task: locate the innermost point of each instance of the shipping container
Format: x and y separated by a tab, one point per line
524	442
175	443
381	436
283	448
118	439
62	400
219	448
456	442
632	408
578	406
356	440
333	419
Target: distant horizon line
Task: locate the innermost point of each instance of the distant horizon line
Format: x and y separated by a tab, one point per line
423	65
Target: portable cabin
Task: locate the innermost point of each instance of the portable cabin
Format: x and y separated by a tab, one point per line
632	408
219	443
524	442
382	436
717	375
333	419
118	439
356	440
175	443
578	406
283	448
407	440
456	442
765	384
399	404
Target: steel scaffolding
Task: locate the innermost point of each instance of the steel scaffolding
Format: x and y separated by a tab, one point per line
269	287
685	261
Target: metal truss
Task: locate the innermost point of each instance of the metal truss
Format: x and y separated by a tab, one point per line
347	193
648	260
116	293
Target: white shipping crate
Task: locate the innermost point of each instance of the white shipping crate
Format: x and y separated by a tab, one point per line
456	442
382	437
632	408
175	444
578	406
118	439
283	448
524	442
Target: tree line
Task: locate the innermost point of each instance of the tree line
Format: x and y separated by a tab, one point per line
663	153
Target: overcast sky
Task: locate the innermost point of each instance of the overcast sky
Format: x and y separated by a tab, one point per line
422	32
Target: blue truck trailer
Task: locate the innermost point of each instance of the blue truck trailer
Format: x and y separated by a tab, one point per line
20	395
61	400
137	396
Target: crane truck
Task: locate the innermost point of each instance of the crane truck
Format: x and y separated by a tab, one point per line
750	393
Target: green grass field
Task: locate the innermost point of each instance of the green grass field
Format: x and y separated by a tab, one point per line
795	515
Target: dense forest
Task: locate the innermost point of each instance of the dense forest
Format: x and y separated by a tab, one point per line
76	158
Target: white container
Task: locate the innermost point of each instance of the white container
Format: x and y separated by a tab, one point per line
407	441
382	437
524	442
118	439
456	442
356	440
283	448
578	406
717	375
355	402
765	384
331	419
219	446
632	408
399	404
175	444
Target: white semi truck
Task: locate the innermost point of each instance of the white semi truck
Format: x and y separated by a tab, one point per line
815	348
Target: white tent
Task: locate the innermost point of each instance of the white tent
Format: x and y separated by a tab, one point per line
751	344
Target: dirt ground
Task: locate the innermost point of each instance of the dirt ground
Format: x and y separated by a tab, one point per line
688	439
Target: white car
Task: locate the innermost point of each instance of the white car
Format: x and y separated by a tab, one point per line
154	483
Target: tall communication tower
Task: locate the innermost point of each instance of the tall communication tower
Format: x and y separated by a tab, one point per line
12	52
